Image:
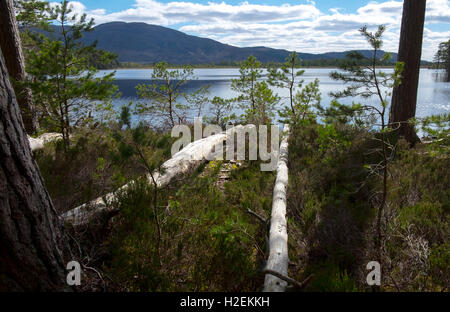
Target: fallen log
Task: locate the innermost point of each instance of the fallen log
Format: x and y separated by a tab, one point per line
278	260
38	143
182	163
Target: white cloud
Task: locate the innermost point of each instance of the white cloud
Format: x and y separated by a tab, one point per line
151	11
300	27
438	11
76	7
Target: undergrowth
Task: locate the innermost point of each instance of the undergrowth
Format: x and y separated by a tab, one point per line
332	200
209	241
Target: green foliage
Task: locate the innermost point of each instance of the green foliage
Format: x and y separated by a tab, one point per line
32	13
146	147
265	103
85	171
367	81
420	190
256	98
221	111
442	57
443	54
198	99
250	71
209	242
64	85
134	253
331	199
165	95
429	218
286	77
328	196
149	150
231	245
328	277
436	128
440	266
304	102
342	114
419	224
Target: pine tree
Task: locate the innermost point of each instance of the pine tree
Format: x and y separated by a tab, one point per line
33	250
64	83
250	71
165	95
287	77
11	46
404	97
367	82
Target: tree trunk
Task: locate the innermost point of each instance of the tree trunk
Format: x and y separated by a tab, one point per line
12	52
448	63
404	97
32	248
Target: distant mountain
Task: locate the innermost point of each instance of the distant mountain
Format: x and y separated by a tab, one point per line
144	43
148	44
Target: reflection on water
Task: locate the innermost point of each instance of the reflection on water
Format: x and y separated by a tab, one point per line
433	93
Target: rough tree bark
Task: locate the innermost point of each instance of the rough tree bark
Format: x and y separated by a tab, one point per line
448	63
32	247
12	52
404	97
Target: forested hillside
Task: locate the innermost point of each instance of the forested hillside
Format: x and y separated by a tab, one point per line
148	44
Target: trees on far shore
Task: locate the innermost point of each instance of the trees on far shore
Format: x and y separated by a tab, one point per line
442	58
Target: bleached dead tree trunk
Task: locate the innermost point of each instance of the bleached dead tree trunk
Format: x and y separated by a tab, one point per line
182	163
278	239
38	143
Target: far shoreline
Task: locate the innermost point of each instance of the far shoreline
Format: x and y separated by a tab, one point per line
144	67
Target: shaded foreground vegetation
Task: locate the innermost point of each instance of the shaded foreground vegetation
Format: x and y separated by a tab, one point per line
332	212
209	242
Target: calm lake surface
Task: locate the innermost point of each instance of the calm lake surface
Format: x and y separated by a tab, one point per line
433	93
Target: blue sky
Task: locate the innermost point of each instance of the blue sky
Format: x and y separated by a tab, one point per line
118	5
303	25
